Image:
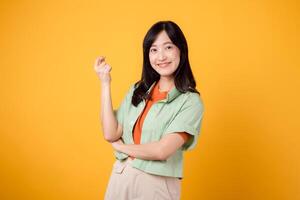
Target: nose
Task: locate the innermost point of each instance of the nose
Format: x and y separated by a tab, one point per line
161	55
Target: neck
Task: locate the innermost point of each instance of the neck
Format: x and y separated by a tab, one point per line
165	84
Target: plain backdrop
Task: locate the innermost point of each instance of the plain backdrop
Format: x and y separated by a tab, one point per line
245	58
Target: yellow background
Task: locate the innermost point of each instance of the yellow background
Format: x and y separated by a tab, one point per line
244	55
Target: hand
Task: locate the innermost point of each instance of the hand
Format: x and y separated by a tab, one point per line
102	69
117	144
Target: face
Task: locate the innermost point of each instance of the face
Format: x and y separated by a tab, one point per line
164	56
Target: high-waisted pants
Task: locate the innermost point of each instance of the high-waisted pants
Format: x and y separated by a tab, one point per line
129	183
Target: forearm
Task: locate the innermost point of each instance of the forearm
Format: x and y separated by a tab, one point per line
149	151
108	120
158	150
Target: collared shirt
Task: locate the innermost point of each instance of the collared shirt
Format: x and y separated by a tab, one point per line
179	112
155	95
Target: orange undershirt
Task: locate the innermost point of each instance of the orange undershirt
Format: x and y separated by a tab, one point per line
156	95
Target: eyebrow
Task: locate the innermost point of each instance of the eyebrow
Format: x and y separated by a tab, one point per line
153	45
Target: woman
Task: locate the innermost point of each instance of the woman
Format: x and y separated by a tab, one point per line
159	118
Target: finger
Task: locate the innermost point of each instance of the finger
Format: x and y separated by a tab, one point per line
107	68
99	60
99	68
96	67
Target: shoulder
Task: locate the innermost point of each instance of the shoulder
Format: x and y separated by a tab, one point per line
192	99
131	89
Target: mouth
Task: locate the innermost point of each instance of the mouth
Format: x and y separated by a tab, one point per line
163	64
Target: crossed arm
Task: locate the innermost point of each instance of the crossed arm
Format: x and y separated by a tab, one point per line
159	150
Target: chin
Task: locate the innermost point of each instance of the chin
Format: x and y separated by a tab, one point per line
165	74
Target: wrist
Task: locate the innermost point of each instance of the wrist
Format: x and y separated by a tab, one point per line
105	87
105	84
117	146
120	147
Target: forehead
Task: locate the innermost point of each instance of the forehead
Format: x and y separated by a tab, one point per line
162	39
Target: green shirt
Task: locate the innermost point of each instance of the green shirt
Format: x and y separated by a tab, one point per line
179	112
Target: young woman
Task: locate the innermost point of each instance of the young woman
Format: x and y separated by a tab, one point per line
159	118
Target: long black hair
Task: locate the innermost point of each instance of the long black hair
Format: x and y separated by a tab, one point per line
183	76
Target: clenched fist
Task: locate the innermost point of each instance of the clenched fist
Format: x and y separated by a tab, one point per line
102	69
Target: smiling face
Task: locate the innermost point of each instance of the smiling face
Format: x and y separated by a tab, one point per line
164	56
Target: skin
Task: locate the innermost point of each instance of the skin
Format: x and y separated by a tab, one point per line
112	131
164	51
164	57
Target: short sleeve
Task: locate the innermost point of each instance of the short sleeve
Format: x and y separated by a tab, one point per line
189	120
121	110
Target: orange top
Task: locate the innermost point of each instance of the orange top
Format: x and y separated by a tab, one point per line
156	95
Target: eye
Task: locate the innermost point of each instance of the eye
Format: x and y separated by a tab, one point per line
169	47
152	50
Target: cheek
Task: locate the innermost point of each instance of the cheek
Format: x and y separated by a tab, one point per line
177	57
151	59
175	53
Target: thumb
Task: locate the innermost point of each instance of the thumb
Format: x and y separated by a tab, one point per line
107	68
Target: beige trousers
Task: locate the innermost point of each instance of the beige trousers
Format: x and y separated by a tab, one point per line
129	183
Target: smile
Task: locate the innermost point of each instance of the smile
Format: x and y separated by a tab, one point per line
163	64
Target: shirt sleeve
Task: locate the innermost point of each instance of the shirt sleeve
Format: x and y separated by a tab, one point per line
121	110
189	120
185	136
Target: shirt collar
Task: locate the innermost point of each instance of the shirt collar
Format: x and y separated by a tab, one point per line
172	94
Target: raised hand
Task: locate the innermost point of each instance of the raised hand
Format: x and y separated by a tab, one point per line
102	69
